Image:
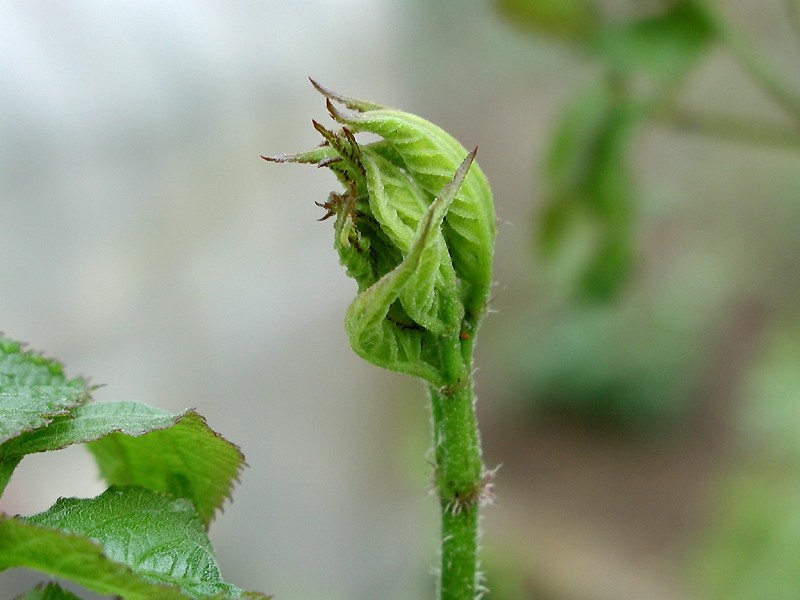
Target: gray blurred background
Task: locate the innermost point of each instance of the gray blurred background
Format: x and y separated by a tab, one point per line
144	243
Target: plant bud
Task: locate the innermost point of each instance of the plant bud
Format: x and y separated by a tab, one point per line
415	228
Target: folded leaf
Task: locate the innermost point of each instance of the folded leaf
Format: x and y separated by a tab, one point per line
415	228
411	350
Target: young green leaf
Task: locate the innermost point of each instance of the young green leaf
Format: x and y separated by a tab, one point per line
431	156
378	339
129	542
415	228
187	459
33	390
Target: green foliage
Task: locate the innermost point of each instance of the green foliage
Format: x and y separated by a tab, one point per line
664	46
624	368
187	460
589	181
158	536
33	390
570	19
145	540
415	228
589	190
752	547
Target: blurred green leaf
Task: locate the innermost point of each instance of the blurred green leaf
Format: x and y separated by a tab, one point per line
753	546
627	366
570	19
609	268
665	45
128	541
587	177
188	460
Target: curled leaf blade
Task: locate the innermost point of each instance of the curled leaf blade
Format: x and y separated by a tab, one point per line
422	291
431	155
404	349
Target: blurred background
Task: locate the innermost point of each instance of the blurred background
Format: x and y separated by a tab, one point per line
638	382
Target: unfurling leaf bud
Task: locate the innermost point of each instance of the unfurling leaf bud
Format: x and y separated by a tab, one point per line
415	228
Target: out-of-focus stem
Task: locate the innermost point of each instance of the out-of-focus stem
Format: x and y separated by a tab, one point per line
737	129
768	79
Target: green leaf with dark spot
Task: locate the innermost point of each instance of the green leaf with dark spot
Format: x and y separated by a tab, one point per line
187	459
129	541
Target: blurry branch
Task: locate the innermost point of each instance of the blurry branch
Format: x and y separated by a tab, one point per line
763	73
749	130
793	7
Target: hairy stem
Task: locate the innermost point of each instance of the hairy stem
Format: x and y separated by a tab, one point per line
459	480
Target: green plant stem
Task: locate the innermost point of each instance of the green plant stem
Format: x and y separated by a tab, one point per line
767	78
459	483
751	131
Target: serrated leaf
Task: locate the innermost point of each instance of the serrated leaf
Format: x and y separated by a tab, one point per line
188	460
84	424
33	390
73	557
129	541
568	19
88	423
664	46
51	591
587	177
